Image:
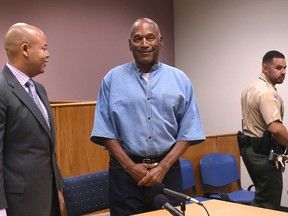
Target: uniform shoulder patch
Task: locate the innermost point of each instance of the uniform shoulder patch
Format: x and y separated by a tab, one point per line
272	97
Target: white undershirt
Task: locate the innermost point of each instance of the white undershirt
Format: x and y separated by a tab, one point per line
145	76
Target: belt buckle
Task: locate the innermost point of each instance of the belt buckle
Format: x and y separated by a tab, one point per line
147	160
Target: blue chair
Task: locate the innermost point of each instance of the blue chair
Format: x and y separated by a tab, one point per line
219	170
188	178
87	193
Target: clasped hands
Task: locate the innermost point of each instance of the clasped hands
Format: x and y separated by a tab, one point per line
147	174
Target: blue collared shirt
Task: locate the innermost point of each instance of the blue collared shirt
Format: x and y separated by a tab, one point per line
147	117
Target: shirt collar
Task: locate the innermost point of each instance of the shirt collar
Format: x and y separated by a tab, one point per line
20	76
153	69
266	79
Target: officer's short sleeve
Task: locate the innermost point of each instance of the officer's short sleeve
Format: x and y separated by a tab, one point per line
270	107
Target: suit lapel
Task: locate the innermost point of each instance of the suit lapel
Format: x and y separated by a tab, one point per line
21	93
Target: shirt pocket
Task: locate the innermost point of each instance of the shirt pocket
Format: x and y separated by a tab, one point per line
170	106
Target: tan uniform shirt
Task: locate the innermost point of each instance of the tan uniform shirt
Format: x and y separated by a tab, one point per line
261	105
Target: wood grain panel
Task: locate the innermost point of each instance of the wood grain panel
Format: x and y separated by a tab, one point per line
76	154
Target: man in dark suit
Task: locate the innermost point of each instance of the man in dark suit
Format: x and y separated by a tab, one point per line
30	180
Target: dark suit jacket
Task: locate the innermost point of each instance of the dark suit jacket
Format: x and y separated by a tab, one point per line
27	151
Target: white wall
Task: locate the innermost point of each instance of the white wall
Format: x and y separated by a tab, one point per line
220	44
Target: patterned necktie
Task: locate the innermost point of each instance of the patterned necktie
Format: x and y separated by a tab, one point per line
33	94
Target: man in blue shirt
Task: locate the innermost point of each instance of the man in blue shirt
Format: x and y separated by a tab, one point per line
146	116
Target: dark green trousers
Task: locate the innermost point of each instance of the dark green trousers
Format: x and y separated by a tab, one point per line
266	178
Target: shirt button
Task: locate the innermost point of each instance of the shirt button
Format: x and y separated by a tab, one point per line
149	118
149	137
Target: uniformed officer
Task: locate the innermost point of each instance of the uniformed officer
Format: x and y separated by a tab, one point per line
262	111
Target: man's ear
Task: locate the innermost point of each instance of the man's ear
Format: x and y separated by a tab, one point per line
24	49
130	44
161	41
264	68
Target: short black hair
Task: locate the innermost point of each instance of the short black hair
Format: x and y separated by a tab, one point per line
268	57
147	20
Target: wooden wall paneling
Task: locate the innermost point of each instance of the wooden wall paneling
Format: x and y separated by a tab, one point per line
227	143
76	154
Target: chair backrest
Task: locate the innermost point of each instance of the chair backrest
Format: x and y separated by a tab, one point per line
86	193
218	169
188	175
